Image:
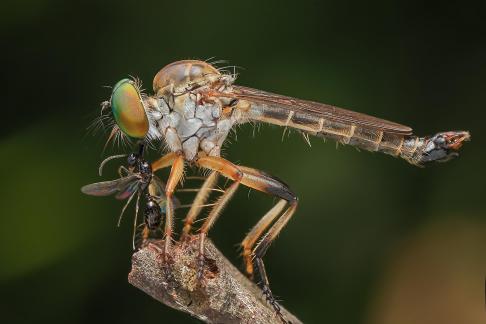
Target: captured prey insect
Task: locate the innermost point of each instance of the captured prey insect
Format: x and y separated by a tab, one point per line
195	106
136	180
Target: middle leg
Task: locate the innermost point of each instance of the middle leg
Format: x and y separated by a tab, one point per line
197	204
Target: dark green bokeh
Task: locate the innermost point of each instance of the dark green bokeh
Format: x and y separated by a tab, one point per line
63	260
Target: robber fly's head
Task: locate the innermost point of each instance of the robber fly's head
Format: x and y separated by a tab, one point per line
126	111
444	146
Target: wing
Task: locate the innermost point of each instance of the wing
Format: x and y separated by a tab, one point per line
318	110
107	188
128	190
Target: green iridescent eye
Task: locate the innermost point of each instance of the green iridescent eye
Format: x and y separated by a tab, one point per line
128	110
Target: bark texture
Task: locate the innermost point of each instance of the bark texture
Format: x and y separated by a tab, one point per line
223	296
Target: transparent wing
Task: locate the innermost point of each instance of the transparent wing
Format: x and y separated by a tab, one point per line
279	102
128	190
107	188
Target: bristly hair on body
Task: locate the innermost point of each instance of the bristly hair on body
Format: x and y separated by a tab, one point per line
224	69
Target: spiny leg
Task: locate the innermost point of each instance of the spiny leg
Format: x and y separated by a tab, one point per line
199	202
176	161
175	176
266	183
210	220
262	248
229	170
165	161
263	182
256	232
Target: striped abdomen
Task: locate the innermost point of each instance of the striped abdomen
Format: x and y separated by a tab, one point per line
408	147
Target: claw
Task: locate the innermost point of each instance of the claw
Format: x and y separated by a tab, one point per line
265	286
273	302
163	259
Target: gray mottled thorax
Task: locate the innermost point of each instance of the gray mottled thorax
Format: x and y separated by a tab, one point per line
191	127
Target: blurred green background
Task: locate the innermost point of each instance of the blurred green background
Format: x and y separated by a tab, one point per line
375	240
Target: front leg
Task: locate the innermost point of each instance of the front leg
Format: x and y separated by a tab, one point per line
176	174
176	162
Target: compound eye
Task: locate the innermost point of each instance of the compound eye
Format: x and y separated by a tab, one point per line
128	110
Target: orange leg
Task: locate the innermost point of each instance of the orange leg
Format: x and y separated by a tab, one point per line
165	161
263	182
198	202
176	174
176	161
256	232
266	183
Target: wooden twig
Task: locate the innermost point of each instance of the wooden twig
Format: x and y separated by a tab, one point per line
223	296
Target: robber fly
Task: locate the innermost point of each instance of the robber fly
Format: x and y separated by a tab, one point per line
193	109
136	180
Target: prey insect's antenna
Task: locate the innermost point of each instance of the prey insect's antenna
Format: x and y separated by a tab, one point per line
102	164
141	150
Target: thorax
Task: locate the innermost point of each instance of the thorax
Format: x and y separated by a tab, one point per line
190	124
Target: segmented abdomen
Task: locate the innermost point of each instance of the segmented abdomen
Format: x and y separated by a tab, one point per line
408	147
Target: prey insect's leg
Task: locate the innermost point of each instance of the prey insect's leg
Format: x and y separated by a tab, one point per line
145	234
135	220
123	171
198	202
